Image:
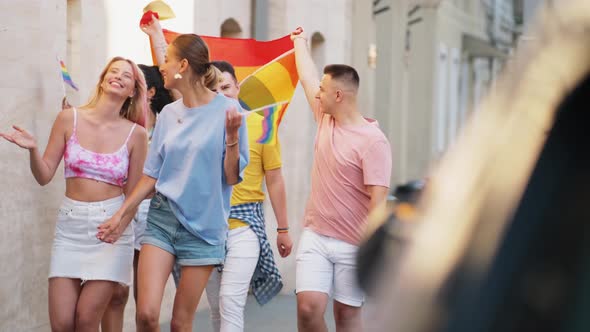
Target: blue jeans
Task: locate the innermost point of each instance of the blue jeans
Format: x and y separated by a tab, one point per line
166	232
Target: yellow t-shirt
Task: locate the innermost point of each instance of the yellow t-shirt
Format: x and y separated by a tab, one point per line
263	157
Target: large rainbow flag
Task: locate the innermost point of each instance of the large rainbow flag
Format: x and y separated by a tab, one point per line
266	71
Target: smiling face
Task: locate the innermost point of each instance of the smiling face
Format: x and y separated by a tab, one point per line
119	79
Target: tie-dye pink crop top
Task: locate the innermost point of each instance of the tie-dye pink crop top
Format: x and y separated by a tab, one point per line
105	167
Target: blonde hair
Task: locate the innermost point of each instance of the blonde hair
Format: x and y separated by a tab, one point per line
212	78
134	108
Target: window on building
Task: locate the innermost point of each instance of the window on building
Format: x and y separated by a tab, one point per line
230	28
318	50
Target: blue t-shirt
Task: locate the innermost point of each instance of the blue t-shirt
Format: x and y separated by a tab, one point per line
186	157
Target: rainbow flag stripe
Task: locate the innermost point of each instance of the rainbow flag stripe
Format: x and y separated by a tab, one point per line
66	75
246	55
270	124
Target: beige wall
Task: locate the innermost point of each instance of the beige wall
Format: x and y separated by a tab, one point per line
33	33
421	89
363	36
390	74
209	15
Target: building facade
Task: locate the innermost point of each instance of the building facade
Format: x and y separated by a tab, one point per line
442	57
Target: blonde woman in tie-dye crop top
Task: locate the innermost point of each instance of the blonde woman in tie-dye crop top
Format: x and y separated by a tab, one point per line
103	150
157	97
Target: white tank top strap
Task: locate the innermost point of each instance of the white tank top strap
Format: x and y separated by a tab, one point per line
130	132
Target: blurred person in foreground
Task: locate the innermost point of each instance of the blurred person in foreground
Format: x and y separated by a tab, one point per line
388	233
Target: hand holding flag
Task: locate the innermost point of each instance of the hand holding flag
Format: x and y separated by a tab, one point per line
233	121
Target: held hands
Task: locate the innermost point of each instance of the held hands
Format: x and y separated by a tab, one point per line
21	138
233	121
152	27
110	230
298	33
284	244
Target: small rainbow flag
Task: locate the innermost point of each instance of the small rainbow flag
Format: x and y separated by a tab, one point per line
273	115
266	71
66	75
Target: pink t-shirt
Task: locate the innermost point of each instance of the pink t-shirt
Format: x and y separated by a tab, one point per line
346	160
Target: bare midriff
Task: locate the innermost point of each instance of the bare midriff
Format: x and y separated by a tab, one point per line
88	190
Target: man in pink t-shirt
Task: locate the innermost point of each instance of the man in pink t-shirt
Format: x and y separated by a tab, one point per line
350	176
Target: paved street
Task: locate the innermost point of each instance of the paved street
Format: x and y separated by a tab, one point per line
277	315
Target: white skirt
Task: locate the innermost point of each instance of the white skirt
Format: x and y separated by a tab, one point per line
78	254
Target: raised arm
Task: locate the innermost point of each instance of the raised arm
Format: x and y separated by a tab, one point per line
306	68
44	167
154	30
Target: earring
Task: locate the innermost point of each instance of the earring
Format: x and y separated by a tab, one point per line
177	76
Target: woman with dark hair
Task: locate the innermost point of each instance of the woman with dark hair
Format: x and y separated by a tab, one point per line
157	97
199	149
103	151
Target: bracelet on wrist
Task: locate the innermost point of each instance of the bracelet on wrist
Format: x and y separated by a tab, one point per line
282	229
231	144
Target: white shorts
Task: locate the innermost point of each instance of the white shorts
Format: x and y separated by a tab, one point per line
328	265
139	221
78	254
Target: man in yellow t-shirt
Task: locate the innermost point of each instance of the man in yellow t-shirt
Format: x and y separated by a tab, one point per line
266	165
249	259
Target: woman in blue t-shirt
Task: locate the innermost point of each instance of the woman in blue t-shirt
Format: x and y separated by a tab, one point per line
196	154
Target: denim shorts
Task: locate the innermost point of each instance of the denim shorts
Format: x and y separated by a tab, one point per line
166	232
